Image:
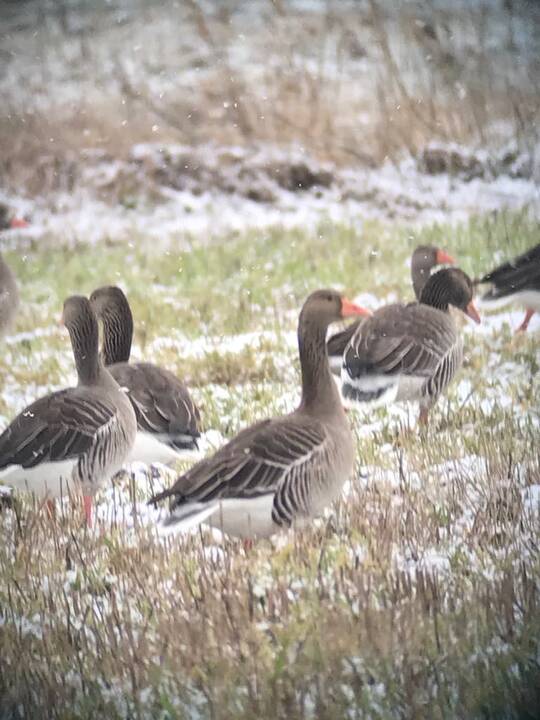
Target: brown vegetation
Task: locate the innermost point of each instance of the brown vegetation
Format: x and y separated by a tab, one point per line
351	84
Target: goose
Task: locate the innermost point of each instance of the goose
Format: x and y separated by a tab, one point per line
423	260
409	352
517	280
9	291
9	297
281	471
167	418
9	221
73	439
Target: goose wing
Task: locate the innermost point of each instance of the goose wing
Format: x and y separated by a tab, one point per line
518	275
400	339
273	456
337	343
161	402
60	426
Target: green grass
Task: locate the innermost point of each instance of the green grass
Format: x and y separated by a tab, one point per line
353	618
245	282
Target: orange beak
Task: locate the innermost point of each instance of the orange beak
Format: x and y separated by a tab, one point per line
443	258
472	312
18	223
349	308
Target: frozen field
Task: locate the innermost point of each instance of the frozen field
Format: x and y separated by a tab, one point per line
219	161
420	587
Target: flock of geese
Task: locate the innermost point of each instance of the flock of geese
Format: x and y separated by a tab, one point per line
279	472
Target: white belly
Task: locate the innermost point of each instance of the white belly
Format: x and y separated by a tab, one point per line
410	388
246	518
47	480
530	299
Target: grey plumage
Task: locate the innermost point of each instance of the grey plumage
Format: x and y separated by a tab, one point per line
162	403
281	471
423	260
76	437
409	352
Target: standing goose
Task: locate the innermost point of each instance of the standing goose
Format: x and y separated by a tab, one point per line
423	260
517	280
76	438
281	471
167	418
409	352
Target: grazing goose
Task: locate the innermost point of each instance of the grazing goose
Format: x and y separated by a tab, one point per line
409	352
167	418
517	280
423	260
9	297
281	471
76	438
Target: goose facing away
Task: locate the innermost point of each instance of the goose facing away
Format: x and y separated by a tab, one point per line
167	418
409	352
516	281
283	471
9	297
423	260
73	439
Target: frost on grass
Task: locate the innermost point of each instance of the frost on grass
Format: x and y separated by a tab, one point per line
419	587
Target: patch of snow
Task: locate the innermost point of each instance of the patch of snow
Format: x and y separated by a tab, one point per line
530	496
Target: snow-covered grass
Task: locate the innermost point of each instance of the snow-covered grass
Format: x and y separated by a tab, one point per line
416	596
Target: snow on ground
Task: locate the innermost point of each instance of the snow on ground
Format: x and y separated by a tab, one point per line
124	502
203	192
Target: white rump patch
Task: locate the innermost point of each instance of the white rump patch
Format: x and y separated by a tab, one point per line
239	517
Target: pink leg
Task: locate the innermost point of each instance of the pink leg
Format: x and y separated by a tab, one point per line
526	320
423	417
87	500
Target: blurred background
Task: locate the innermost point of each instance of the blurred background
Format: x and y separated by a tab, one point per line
209	112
